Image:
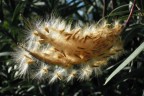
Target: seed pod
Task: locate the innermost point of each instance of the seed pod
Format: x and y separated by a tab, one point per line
62	52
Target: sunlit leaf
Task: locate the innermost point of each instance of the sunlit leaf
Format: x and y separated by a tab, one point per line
126	62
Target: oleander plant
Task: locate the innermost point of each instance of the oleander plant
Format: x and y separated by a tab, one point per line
72	47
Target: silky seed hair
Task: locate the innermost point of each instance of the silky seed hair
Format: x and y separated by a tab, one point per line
56	50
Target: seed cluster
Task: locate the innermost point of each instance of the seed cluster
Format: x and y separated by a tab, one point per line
54	50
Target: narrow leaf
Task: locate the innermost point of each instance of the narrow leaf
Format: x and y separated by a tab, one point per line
126	62
17	10
5	53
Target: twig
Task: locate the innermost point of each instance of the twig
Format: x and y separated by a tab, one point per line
113	4
104	8
130	15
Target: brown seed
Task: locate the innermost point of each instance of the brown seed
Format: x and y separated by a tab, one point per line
56	49
41	41
78	56
85	38
46	29
62	31
46	54
80	48
81	56
45	70
68	37
60	56
30	61
63	53
95	65
59	76
73	36
35	33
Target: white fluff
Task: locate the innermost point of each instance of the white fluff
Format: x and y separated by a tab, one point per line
85	72
42	72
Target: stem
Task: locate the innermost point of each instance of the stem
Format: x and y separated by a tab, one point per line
113	4
130	15
104	7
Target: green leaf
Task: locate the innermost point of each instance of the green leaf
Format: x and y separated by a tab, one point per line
126	62
119	8
5	53
18	10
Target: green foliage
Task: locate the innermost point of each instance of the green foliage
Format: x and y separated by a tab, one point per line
129	80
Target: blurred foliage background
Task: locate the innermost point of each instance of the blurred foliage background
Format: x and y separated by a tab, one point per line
128	82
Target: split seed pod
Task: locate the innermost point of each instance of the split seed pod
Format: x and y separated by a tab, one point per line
56	51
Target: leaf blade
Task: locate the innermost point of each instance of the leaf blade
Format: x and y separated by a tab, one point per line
127	61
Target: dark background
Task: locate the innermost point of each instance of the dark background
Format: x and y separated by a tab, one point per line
128	82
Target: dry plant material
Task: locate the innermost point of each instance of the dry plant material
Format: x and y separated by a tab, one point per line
56	51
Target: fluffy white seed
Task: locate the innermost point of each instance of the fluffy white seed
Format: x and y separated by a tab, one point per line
85	72
71	75
58	74
42	72
21	59
63	52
